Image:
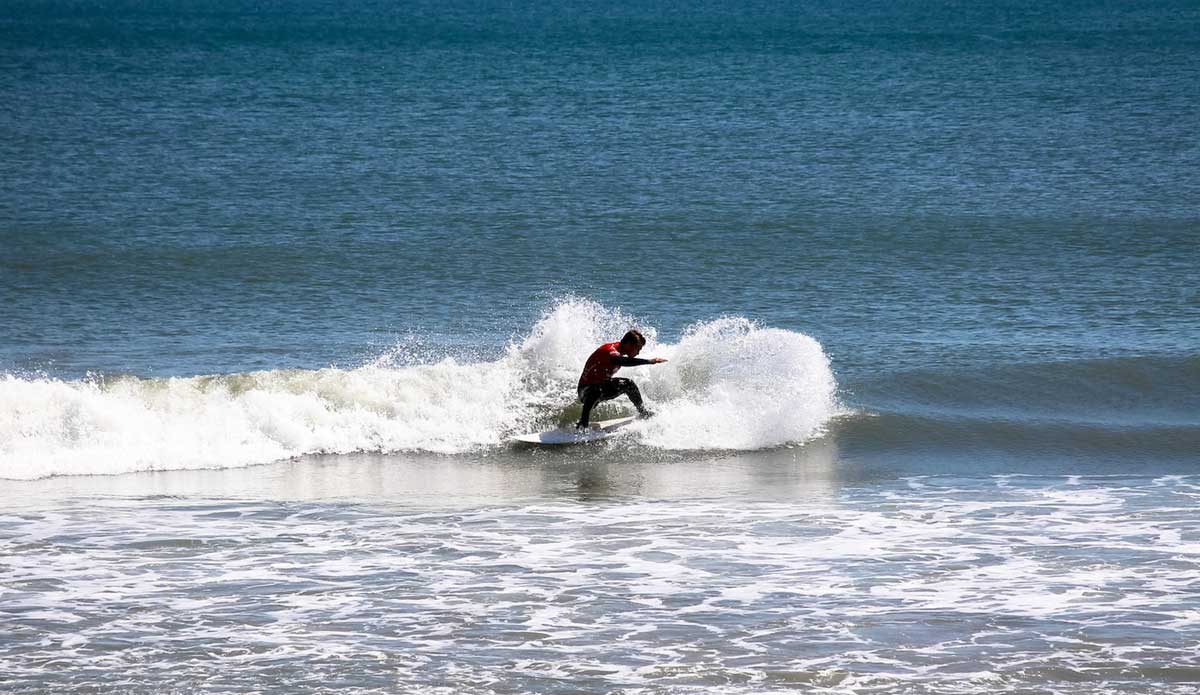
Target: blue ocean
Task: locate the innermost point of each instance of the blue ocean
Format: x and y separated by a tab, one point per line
280	280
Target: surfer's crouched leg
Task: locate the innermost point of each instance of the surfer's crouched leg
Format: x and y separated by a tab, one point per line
606	391
590	395
627	387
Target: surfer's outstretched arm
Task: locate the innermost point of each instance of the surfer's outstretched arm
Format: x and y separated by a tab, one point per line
626	361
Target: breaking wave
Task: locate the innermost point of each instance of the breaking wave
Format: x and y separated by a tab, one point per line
729	384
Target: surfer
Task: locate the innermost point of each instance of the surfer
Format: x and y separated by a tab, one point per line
597	383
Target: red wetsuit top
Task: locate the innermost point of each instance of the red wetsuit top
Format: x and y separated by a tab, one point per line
602	365
605	362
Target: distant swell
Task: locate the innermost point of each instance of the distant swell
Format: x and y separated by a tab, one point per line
729	384
1121	408
1118	392
901	432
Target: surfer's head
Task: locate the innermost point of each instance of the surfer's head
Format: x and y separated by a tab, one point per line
632	343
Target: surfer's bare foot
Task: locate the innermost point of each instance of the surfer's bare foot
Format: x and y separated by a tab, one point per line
647	414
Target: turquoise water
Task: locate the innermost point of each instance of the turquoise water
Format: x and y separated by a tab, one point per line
886	247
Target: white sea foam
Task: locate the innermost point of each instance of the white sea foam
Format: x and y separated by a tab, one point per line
859	593
729	384
735	385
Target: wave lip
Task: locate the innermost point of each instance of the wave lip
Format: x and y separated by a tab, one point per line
729	384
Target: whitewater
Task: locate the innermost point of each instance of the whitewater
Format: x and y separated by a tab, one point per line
729	384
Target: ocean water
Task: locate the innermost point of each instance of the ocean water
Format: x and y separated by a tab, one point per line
279	280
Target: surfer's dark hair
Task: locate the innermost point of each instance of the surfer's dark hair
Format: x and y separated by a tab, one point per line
634	338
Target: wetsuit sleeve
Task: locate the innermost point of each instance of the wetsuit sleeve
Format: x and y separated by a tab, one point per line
623	361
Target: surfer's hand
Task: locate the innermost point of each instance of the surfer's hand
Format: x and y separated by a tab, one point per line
658	360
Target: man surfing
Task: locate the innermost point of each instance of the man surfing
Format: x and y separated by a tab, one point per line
597	383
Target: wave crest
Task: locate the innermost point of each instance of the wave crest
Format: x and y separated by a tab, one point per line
729	384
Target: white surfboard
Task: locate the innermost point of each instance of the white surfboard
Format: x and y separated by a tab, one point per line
569	435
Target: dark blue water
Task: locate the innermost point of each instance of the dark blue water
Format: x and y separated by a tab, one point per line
214	187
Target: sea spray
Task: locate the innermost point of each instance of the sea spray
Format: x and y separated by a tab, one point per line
729	384
551	356
50	427
735	385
